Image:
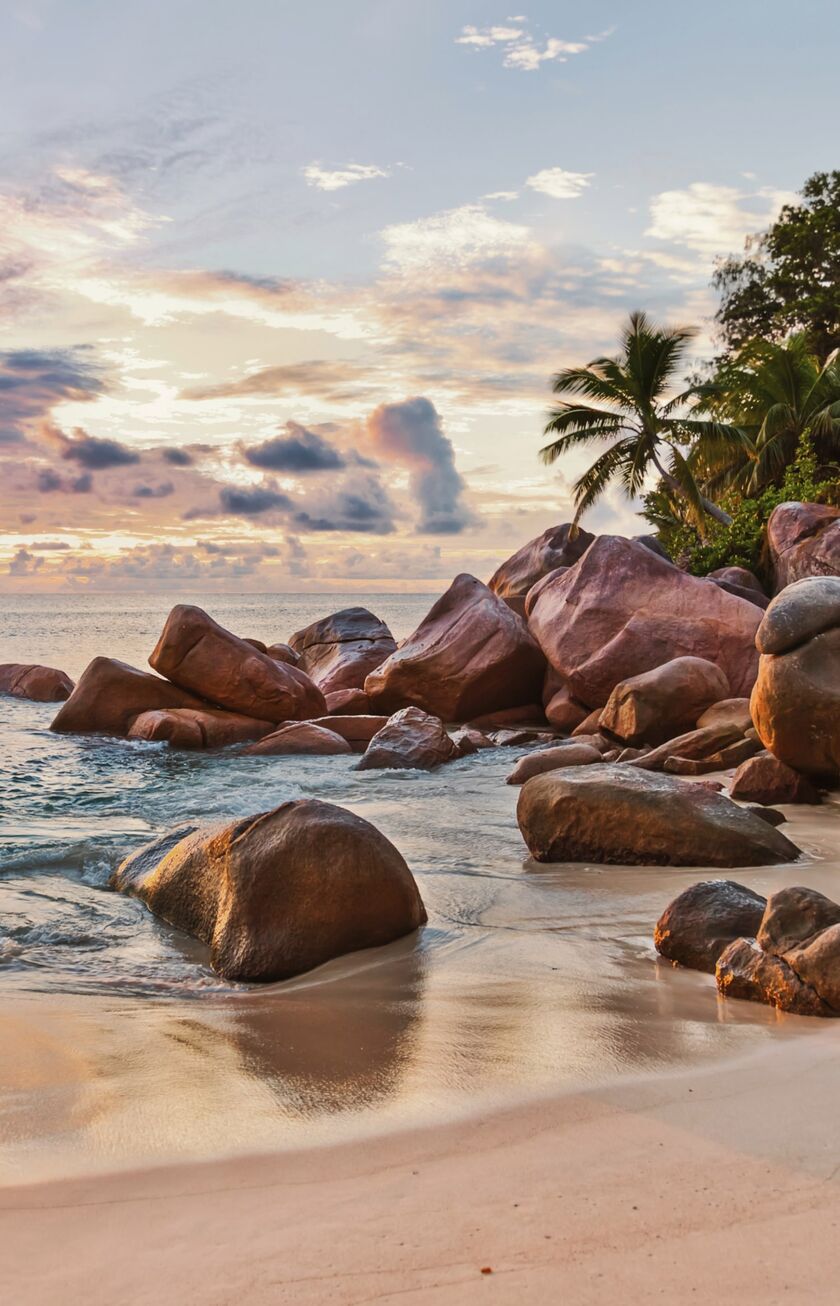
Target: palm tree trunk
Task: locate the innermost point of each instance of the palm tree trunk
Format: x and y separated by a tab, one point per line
709	507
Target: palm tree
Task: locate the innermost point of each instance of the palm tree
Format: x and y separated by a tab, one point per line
631	411
776	394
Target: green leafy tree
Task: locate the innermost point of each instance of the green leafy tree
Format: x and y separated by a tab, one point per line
775	394
789	278
624	403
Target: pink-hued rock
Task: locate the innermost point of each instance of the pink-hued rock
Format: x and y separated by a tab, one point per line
531	714
348	702
659	704
553	759
796	700
764	779
184	727
536	590
339	651
468	740
197	654
729	711
32	681
621	610
564	712
283	653
110	694
559	546
411	740
804	540
300	737
471	655
742	577
357	730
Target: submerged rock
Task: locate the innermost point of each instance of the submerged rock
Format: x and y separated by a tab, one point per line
339	651
621	611
411	740
110	694
658	704
279	893
615	814
184	727
702	921
470	655
37	683
197	654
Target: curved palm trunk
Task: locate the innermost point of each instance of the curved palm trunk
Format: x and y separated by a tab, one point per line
712	509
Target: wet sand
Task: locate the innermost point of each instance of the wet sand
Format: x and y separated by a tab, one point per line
718	1185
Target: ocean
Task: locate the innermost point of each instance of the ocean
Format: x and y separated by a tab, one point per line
119	1046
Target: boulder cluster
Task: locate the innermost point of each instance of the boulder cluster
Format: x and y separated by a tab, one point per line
621	680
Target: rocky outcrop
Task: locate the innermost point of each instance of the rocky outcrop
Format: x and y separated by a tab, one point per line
469	740
300	737
553	759
198	655
470	655
277	894
733	712
411	740
764	779
559	546
695	745
796	700
702	921
184	727
615	814
621	611
37	683
357	730
804	540
348	702
656	705
339	651
110	694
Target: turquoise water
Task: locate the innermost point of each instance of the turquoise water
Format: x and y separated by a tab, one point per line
119	1045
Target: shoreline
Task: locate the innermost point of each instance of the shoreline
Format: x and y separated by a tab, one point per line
660	1184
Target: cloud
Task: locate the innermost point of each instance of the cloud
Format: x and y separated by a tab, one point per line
48	481
338	178
332	379
161	491
176	457
560	184
521	50
713	220
33	382
25	563
93	452
298	451
410	434
146	566
252	501
455	238
359	503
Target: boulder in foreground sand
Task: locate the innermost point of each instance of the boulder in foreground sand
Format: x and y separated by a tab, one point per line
35	682
200	656
615	814
703	920
279	893
110	694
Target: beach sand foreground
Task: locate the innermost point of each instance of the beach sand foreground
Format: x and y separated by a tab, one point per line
720	1185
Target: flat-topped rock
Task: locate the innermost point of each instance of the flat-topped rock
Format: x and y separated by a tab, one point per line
279	893
198	655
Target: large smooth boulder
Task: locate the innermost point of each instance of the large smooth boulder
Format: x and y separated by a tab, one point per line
279	893
197	654
38	683
110	694
184	727
470	655
615	814
339	651
764	779
300	738
703	920
804	540
792	917
283	653
664	702
411	740
621	611
559	546
796	700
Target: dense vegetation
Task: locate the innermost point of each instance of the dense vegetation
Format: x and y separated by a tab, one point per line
760	428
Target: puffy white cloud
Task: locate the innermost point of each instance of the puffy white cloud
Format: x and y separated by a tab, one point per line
338	178
560	184
713	220
455	238
521	49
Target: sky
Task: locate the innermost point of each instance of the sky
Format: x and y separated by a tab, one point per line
282	286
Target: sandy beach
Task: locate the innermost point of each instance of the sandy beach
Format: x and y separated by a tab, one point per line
717	1185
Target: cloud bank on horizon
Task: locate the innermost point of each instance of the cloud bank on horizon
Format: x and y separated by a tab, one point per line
241	346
